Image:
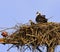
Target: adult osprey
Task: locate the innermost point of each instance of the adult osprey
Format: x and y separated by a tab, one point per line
40	18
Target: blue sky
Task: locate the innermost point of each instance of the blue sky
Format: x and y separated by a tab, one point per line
21	11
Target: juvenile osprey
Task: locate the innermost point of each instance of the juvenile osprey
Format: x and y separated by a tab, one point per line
31	22
40	18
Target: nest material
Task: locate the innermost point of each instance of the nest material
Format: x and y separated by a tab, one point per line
36	35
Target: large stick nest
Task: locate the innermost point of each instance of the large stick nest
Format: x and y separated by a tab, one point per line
36	34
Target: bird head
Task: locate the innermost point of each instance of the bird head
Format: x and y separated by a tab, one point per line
38	13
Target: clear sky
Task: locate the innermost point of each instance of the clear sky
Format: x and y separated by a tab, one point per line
21	11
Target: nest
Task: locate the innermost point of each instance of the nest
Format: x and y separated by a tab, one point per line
35	35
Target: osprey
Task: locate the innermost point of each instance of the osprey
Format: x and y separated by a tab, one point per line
31	22
40	18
